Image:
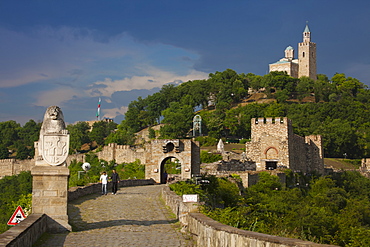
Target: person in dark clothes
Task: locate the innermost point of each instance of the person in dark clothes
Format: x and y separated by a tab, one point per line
115	181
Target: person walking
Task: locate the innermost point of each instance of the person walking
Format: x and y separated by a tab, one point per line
104	181
115	181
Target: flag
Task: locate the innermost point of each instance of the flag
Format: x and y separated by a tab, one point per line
98	111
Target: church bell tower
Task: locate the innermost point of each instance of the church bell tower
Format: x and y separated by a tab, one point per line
307	56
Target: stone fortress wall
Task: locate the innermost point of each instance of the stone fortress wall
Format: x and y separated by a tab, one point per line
121	153
274	145
10	167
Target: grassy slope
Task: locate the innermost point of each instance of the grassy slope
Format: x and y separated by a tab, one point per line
339	163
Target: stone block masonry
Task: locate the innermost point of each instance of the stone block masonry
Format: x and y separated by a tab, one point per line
274	145
50	195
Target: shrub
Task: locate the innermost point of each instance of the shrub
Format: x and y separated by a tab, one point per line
206	141
206	157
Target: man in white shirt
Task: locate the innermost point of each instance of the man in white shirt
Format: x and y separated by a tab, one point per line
104	181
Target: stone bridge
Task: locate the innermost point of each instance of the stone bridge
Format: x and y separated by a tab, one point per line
136	216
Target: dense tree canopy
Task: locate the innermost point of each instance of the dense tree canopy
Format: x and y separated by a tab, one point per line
20	140
336	108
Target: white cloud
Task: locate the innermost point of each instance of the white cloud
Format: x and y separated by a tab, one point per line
156	78
68	63
56	97
44	54
114	112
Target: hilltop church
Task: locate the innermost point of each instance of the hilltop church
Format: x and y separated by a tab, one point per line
305	65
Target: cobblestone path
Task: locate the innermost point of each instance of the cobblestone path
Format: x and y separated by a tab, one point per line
134	217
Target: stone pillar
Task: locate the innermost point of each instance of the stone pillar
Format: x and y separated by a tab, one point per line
50	173
50	195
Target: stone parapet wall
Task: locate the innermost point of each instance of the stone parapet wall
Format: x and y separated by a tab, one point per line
210	233
77	192
26	233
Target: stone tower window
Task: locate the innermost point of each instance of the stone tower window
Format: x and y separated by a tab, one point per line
303	54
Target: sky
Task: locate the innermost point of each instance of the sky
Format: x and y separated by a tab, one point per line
70	53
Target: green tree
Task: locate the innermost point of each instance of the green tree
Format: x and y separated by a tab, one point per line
29	133
100	130
4	152
22	152
177	120
79	135
124	135
9	132
304	87
323	88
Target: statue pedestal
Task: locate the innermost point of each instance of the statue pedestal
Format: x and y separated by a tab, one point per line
50	195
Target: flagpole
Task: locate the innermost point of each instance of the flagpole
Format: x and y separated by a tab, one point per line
98	111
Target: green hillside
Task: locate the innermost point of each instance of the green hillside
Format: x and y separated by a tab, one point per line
337	108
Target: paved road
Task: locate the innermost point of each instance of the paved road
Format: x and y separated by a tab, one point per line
134	217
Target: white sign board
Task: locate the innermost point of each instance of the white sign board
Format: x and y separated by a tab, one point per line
190	198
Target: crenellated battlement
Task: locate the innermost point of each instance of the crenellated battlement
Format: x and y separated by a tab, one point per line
271	120
280	127
11	161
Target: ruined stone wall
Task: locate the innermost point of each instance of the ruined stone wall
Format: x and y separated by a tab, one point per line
316	153
232	166
10	167
306	154
128	155
6	167
108	152
121	153
298	155
195	157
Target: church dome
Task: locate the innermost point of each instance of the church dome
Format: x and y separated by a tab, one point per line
289	48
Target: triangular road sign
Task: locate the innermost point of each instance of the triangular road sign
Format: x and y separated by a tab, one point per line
17	217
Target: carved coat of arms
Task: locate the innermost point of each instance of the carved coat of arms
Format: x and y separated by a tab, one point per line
55	148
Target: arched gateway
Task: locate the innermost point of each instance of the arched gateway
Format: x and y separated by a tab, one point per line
185	151
154	155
